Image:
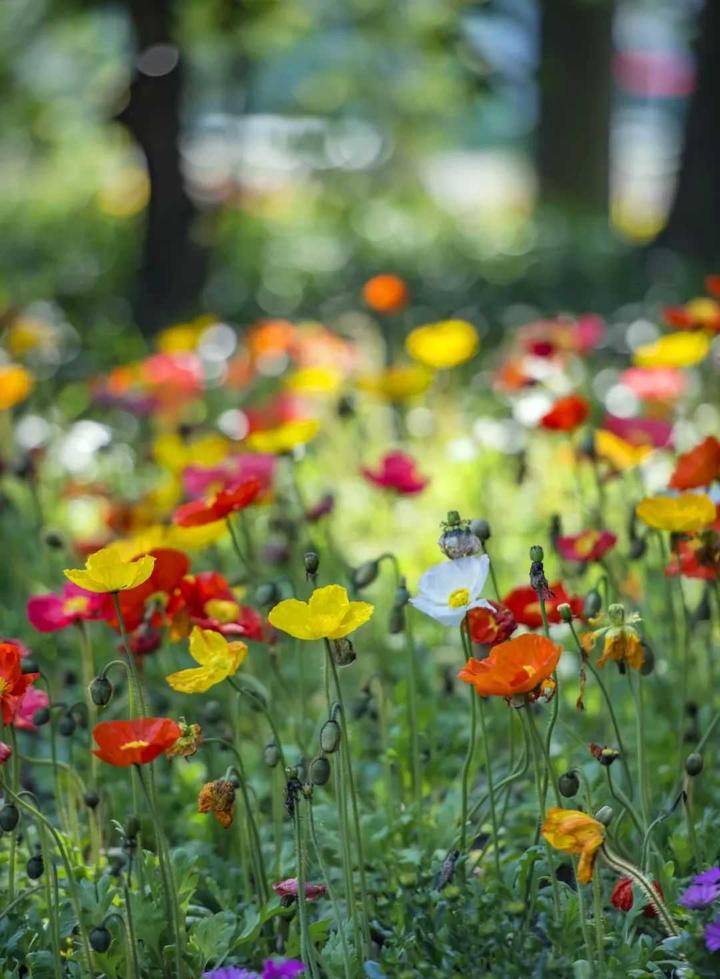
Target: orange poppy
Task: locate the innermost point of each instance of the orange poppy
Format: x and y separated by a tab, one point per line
196	513
698	467
566	414
514	667
13	682
136	742
385	293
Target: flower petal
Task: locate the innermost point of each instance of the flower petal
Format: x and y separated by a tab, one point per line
357	614
292	616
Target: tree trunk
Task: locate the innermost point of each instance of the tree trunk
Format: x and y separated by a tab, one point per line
573	151
693	225
173	265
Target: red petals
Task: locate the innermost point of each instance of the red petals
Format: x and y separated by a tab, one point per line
566	414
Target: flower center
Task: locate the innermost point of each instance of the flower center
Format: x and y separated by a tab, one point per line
222	610
458	598
586	542
129	745
3	685
75	606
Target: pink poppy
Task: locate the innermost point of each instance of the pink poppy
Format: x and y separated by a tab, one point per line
288	889
640	431
587	332
200	480
32	701
590	545
655	383
397	472
5	752
50	613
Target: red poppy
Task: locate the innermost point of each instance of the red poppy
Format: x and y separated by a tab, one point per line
397	471
170	568
137	742
698	467
491	626
697	558
524	605
566	414
589	545
206	600
217	507
289	889
13	682
677	317
514	667
622	897
385	293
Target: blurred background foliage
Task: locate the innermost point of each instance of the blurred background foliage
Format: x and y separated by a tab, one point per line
262	158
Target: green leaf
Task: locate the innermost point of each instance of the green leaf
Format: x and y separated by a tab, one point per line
211	937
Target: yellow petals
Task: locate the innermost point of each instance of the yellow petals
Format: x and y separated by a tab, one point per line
15	385
285	437
176	453
684	349
109	570
620	454
683	514
442	345
314	380
329	614
218	659
397	383
572	831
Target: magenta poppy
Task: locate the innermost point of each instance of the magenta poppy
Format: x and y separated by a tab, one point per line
640	431
50	613
288	889
397	471
201	480
31	701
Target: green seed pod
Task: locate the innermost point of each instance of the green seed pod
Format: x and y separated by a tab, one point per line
694	763
100	939
35	867
330	735
67	725
537	554
9	817
271	754
604	815
101	690
592	604
319	770
569	784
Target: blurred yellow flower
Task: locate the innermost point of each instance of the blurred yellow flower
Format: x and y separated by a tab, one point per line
183	337
620	454
397	383
686	513
168	535
176	453
108	570
683	349
15	385
218	659
444	344
26	334
285	437
572	831
329	614
314	380
703	311
125	193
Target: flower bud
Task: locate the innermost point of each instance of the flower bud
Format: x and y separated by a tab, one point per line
100	939
91	800
343	652
637	548
694	763
101	690
255	699
41	716
319	770
648	663
330	736
402	595
132	827
312	563
537	554
35	867
569	784
346	406
592	604
396	620
9	817
565	612
267	594
604	815
29	666
212	711
67	725
481	529
54	540
271	754
365	574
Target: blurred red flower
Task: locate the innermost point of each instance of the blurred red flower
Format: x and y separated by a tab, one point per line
698	467
385	293
524	605
219	506
566	414
397	471
590	545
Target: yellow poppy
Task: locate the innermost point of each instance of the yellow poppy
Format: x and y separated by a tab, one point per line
285	437
15	385
176	453
218	659
620	454
397	383
572	831
314	380
329	614
684	349
444	344
109	570
682	514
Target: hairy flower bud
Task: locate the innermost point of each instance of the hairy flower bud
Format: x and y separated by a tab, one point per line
312	563
267	594
41	716
694	763
365	574
319	770
343	652
569	784
637	548
481	529
396	620
402	595
91	799
67	725
101	690
271	754
9	817
537	554
100	939
592	603
330	736
604	815
35	867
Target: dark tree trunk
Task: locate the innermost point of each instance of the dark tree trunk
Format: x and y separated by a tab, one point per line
573	150
173	265
693	225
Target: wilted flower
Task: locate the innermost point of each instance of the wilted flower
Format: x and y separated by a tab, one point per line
107	570
602	753
449	590
491	625
288	890
329	614
188	743
218	797
622	642
218	659
572	831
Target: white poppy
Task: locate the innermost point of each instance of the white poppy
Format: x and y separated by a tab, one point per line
448	591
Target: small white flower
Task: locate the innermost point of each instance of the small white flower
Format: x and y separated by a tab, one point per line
448	591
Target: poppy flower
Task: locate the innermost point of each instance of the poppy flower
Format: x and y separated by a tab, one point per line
218	797
566	414
197	513
622	897
448	591
385	293
218	659
524	604
199	480
655	432
515	667
397	383
621	455
329	614
285	437
50	613
191	737
571	831
108	571
31	701
491	625
176	452
621	641
704	312
698	467
590	545
682	514
15	385
13	682
289	889
655	384
443	345
169	569
135	742
5	752
697	558
397	471
673	350
205	599
314	381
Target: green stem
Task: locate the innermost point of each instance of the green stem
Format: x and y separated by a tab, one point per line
306	946
137	697
339	923
640	738
412	711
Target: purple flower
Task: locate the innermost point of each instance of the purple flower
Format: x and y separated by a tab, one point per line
712	936
703	889
711	876
230	972
282	969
